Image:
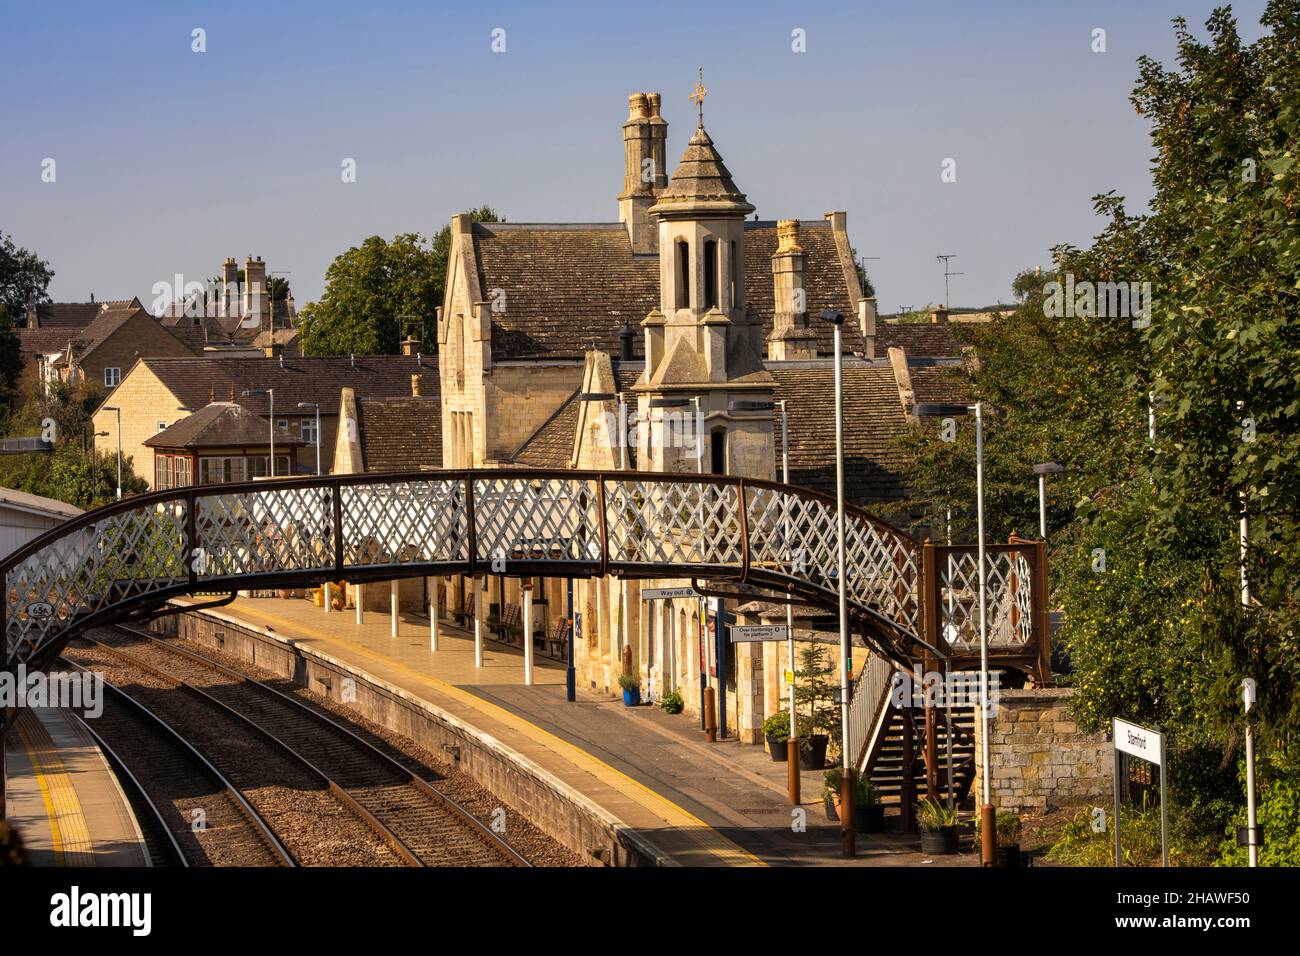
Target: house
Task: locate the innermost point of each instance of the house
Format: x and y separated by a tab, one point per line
156	393
97	355
220	443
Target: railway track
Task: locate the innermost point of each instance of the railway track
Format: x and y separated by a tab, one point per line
422	826
194	815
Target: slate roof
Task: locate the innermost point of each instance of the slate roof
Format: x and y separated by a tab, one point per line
221	424
73	315
569	287
551	446
400	434
102	328
918	339
297	379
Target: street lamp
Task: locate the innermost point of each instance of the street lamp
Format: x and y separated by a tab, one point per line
270	393
945	410
114	408
848	847
1042	470
316	406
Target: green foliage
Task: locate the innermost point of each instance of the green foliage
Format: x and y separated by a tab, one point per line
672	702
629	682
934	815
378	292
1278	812
777	725
865	793
86	479
1159	634
814	694
24	279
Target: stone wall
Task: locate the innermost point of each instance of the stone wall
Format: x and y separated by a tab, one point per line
1039	759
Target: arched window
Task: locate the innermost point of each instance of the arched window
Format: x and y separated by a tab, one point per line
683	275
734	276
710	274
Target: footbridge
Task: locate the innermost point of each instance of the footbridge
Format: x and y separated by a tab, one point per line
908	600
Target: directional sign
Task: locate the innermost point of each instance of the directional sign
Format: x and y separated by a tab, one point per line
744	633
668	594
1138	741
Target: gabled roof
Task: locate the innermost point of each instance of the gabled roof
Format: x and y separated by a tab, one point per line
551	446
72	315
221	424
194	381
400	434
102	329
571	287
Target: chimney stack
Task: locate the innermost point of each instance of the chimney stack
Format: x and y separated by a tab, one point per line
625	339
229	288
867	324
939	315
411	344
415	385
792	337
645	135
256	295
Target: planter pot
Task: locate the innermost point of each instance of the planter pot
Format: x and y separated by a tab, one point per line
632	698
942	842
869	819
1007	856
832	808
776	746
812	751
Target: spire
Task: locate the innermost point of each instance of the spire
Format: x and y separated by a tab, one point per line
702	185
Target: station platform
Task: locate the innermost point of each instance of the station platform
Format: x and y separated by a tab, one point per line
63	797
699	803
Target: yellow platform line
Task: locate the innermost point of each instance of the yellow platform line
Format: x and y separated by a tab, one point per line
699	832
68	830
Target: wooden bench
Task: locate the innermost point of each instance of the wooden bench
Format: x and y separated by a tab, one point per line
509	619
557	642
466	614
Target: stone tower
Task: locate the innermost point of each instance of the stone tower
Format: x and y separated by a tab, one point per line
702	341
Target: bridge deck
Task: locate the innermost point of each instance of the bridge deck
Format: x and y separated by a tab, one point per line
701	804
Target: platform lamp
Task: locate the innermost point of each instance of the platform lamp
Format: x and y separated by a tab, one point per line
270	393
792	741
988	817
316	407
1042	470
118	410
848	844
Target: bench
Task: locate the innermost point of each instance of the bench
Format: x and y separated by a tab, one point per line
509	619
465	616
557	641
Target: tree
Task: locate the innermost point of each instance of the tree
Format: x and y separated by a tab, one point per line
376	292
1145	556
24	279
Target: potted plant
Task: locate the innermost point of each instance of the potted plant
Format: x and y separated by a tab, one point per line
777	731
815	707
1008	830
631	685
672	702
938	827
869	812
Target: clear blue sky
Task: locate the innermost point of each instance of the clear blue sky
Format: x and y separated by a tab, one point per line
168	160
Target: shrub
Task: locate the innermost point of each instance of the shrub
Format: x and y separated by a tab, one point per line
777	725
672	702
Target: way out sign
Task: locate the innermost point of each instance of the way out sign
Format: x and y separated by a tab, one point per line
667	594
1146	745
754	633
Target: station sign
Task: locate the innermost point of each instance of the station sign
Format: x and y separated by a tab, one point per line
668	594
1138	741
753	633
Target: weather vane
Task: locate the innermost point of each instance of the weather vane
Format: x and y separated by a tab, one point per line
698	96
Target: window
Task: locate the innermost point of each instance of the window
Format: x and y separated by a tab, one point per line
307	430
718	451
162	426
112	375
735	271
710	275
683	275
172	471
283	423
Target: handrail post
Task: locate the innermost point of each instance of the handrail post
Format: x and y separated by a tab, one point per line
191	542
744	531
1041	624
604	529
471	523
337	521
